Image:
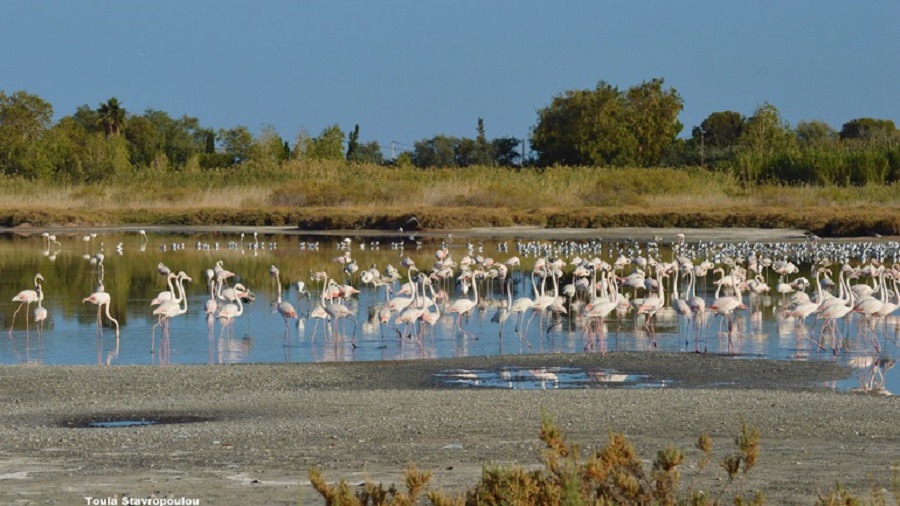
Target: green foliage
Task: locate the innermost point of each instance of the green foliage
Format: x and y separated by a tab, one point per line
353	144
815	134
506	151
267	148
720	129
111	117
870	129
595	128
605	126
237	143
439	151
24	127
155	133
327	146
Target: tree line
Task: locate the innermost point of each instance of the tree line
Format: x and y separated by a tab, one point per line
600	127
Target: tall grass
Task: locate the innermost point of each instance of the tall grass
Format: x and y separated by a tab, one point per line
335	193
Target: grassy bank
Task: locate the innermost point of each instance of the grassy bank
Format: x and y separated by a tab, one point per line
327	196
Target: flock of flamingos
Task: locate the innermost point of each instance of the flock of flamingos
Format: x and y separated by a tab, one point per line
589	283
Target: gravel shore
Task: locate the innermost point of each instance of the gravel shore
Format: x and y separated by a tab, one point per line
246	434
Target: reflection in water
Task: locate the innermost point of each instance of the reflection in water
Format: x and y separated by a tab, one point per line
254	275
545	378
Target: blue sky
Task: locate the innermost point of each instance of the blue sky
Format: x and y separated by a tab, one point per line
406	71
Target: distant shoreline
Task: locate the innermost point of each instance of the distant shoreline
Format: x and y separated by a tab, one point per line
667	234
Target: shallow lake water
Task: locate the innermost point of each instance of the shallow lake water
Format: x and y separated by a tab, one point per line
128	263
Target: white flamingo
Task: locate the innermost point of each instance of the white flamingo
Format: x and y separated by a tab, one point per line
27	297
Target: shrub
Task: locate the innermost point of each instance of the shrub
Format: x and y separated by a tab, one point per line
613	475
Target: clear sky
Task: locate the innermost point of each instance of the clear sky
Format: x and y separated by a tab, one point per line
409	70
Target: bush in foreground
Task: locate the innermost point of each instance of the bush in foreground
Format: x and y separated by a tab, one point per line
612	475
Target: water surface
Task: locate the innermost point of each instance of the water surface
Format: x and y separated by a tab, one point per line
127	269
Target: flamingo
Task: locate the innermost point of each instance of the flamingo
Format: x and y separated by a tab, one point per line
285	308
337	311
681	306
464	305
167	295
502	313
212	305
27	297
413	312
725	307
887	306
167	310
432	317
831	310
40	312
101	299
601	307
652	304
229	312
522	304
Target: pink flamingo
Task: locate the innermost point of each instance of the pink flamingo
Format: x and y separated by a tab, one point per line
725	307
167	295
284	308
337	311
652	304
464	305
102	299
40	312
27	297
229	312
167	310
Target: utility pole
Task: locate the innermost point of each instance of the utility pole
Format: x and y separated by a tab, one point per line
523	153
392	151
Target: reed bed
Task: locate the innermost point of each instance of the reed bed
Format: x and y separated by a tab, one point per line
337	195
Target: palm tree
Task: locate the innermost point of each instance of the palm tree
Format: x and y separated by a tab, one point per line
112	116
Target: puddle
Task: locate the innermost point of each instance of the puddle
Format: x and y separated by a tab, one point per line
128	420
543	378
121	423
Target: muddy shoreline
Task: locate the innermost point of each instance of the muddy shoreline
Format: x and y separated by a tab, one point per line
250	432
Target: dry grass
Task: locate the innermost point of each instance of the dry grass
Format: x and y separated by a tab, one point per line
320	196
614	475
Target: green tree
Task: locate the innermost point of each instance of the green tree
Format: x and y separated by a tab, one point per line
439	151
25	122
111	117
88	118
209	143
467	152
870	129
370	152
719	129
715	141
328	145
815	134
156	133
605	126
302	145
268	148
353	145
576	127
765	136
652	118
237	143
483	149
766	132
506	151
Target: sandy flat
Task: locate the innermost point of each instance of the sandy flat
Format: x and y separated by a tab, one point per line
246	434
